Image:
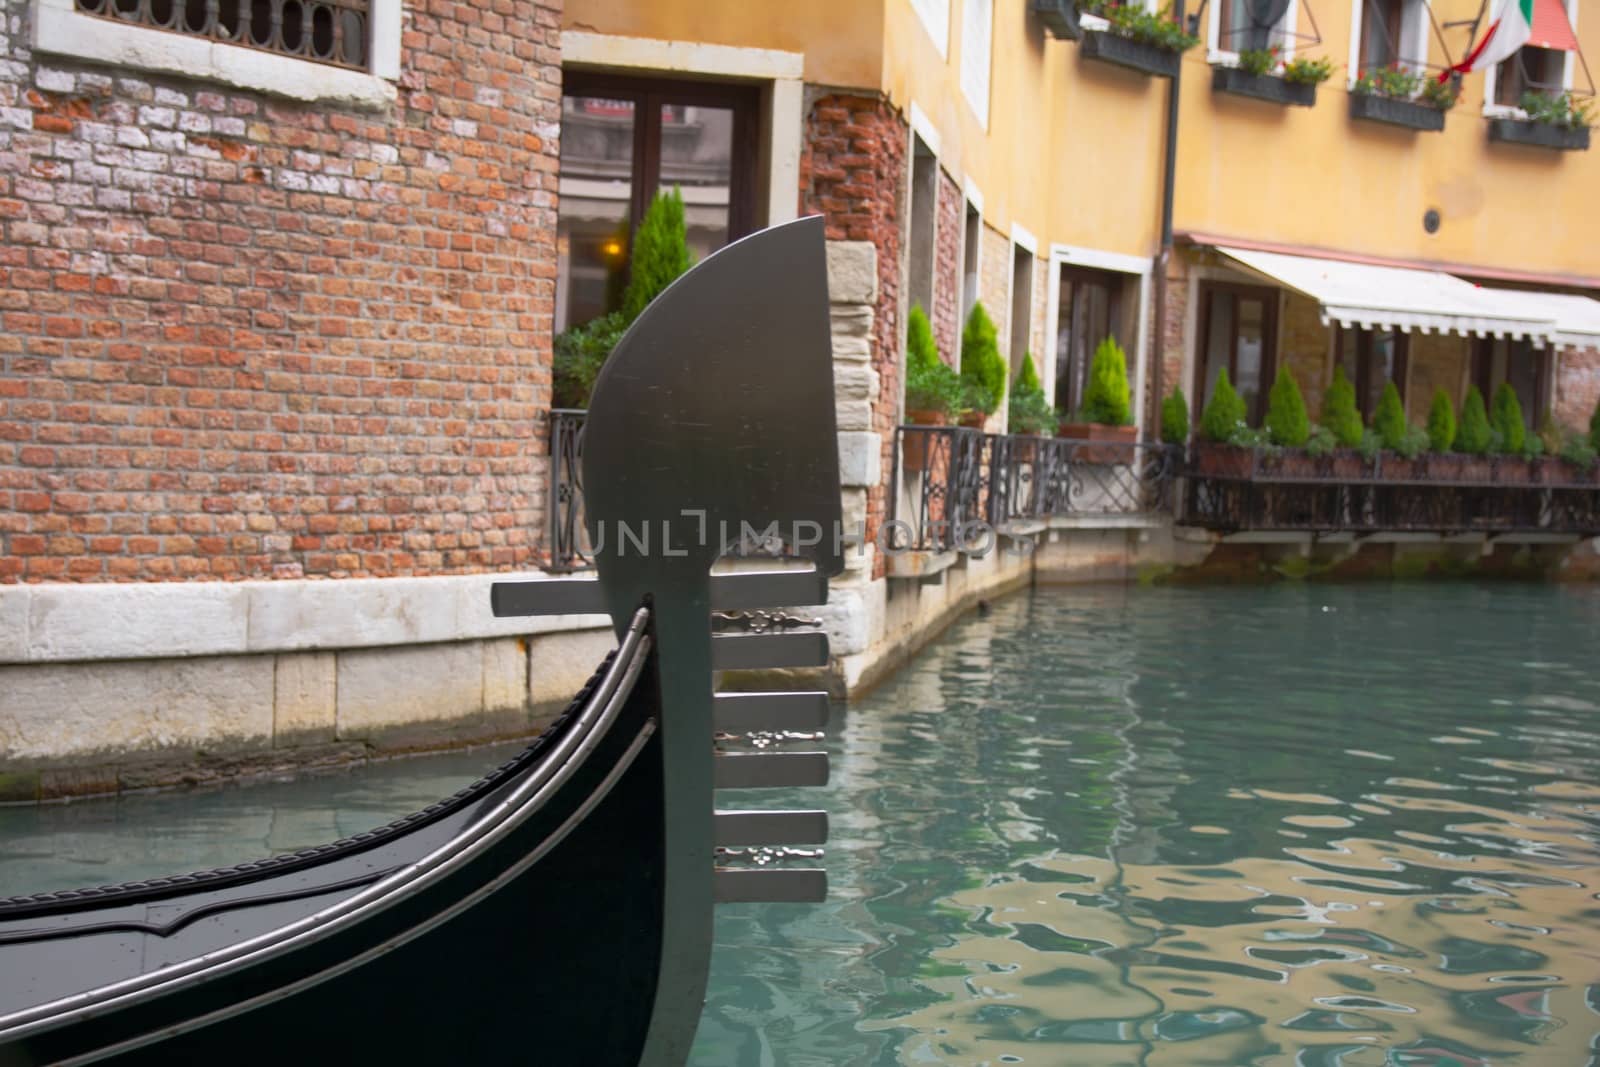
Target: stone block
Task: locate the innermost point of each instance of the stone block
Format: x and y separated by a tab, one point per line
850	321
387	693
305	702
559	664
505	675
860	459
82	712
853	414
135	621
14	623
852	272
855	383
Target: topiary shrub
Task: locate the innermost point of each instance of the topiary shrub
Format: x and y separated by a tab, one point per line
1472	429
577	356
983	369
1339	412
1287	423
1106	398
1030	410
1441	422
1175	417
660	252
1223	415
931	383
1506	417
1390	419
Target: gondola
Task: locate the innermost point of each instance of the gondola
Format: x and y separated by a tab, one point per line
559	909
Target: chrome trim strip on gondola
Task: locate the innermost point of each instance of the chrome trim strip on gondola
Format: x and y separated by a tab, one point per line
582	812
593	722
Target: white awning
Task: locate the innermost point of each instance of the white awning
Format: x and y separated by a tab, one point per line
1576	318
1400	298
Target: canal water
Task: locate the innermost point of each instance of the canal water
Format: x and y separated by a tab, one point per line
1309	825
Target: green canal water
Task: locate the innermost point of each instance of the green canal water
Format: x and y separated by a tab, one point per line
1307	825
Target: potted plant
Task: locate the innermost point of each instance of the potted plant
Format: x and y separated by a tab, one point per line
1030	412
1257	75
1343	422
1473	438
1215	454
1136	38
983	369
1175	418
1441	430
1554	120
1510	439
1288	427
1399	96
933	389
1107	413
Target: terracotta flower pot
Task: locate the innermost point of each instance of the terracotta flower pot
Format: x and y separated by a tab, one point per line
914	446
973	420
1398	468
1119	441
1213	460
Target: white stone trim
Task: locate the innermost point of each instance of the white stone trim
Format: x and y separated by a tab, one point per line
785	123
1092	257
1020	236
157	620
1142	267
60	30
582	48
970	190
924	128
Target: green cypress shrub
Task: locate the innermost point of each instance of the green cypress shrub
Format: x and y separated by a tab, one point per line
1107	398
1390	419
1339	413
660	252
1027	378
1441	422
1472	429
1175	417
1287	423
931	383
1224	412
983	369
1030	410
1506	417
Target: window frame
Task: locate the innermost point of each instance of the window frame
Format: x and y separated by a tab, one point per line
1365	335
1413	32
1284	35
1115	283
1481	371
1271	297
1491	77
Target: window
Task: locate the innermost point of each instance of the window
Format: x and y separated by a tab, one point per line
1371	359
977	32
329	31
1239	332
1390	33
935	16
1529	69
971	256
924	215
1241	24
622	141
1499	359
1021	305
1089	311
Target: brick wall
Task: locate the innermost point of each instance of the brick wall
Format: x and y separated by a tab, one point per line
244	338
950	222
852	172
1303	348
1167	340
1438	361
1577	386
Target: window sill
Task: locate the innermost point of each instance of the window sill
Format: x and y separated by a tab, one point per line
60	30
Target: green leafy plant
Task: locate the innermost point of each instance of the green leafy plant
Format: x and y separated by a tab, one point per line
577	356
1107	398
983	369
1224	413
1532	446
1339	412
1133	21
1577	449
1473	432
1505	416
1175	417
1390	419
1441	94
1245	437
1413	442
1286	422
931	383
1321	442
1030	411
1441	422
660	252
1258	61
1371	444
1395	82
1557	109
1305	71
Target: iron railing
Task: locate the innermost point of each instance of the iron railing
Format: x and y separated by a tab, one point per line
569	541
1237	489
323	31
953	485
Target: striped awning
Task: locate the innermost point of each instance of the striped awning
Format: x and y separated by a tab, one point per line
1576	318
1400	298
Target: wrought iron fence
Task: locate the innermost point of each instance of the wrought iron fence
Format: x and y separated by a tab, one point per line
949	480
569	541
1238	489
323	31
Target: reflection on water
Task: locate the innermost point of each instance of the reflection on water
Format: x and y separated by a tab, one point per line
1304	825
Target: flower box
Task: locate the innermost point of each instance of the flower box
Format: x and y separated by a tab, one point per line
914	443
1392	112
1120	442
1112	48
1539	134
1058	17
1211	460
1262	87
1397	468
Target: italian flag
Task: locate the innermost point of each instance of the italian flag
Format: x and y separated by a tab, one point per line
1510	30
